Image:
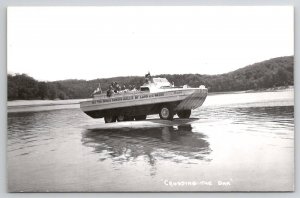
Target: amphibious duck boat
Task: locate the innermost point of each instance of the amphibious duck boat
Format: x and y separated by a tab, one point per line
157	96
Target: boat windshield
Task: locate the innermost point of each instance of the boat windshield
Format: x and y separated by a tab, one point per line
163	82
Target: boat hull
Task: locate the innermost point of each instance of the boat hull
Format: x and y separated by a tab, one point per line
134	104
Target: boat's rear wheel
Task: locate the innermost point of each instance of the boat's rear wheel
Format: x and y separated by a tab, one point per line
166	112
140	117
109	119
184	113
121	118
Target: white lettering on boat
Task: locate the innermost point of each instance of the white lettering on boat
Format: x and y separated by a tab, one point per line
135	97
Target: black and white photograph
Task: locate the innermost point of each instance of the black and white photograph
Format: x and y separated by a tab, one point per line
150	99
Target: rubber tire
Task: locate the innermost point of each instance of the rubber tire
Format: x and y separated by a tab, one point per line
184	113
120	119
170	115
109	119
140	117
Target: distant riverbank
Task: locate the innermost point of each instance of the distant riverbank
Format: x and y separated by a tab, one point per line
43	105
280	88
24	103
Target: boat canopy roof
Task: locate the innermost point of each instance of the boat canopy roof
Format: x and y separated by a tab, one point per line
161	82
156	85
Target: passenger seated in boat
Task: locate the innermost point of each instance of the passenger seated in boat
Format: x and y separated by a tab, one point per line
133	88
148	78
148	75
117	88
113	86
124	89
110	91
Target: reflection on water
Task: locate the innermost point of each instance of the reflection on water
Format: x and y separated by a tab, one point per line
58	151
276	121
274	117
173	143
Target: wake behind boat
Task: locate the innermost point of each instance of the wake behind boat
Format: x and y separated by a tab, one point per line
156	96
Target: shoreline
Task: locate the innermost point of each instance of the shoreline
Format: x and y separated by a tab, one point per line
43	105
19	103
273	89
28	103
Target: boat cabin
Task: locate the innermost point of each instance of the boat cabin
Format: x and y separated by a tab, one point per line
156	84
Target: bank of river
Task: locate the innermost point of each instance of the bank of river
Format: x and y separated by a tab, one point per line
223	98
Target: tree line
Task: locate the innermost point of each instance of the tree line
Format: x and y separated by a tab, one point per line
267	74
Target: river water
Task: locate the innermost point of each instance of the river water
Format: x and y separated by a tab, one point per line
236	142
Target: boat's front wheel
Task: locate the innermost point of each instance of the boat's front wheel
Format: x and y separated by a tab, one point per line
109	119
184	113
166	113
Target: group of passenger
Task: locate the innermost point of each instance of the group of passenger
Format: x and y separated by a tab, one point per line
115	88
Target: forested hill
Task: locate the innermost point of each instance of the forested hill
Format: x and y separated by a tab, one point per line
270	73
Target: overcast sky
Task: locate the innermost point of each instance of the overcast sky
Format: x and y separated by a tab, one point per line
56	43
